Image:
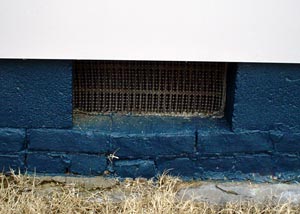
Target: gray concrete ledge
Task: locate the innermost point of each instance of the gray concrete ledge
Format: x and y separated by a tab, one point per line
220	193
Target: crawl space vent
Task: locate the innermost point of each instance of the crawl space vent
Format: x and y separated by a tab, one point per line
143	87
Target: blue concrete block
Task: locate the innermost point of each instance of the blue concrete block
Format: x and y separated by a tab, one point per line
236	167
68	141
229	142
267	97
12	140
135	168
217	164
179	167
275	135
101	123
286	163
259	163
48	162
142	146
12	161
84	164
287	142
146	124
35	93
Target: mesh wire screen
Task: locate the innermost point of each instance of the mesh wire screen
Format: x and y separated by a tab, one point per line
142	87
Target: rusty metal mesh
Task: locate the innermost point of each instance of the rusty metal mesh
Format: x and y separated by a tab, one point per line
143	87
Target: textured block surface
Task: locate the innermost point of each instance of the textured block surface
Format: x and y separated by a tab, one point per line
88	164
179	167
141	146
35	93
135	168
132	124
84	164
48	163
287	163
267	97
256	163
230	142
68	141
287	142
218	164
12	140
12	161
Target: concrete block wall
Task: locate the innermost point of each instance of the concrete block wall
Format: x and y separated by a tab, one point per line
267	97
35	94
258	139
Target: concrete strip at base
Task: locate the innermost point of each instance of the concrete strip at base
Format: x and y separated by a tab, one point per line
220	193
89	183
198	191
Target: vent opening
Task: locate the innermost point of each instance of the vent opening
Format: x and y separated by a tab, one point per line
150	88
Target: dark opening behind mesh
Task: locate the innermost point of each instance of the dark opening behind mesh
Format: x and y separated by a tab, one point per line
144	87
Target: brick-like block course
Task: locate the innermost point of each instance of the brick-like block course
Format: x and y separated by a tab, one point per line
35	93
11	140
88	164
259	163
153	145
262	164
217	164
179	167
68	141
230	142
287	142
48	162
287	163
84	164
12	161
135	168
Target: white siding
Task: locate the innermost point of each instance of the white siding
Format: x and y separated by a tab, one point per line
195	30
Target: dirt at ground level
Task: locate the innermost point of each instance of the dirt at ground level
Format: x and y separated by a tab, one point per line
64	194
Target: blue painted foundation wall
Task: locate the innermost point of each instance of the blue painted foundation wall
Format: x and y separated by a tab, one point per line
259	137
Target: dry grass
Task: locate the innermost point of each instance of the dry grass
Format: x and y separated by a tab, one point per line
26	194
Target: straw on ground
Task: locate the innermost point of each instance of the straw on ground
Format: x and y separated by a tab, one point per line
30	194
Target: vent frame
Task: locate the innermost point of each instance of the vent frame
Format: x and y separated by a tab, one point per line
95	92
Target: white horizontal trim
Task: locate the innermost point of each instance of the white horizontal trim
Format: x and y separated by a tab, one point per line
191	30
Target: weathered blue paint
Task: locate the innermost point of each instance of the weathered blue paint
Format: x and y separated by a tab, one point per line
135	168
60	140
48	162
12	140
267	97
217	163
14	161
217	142
150	146
87	164
287	142
184	167
51	162
35	93
258	137
133	124
262	164
236	165
214	148
287	163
